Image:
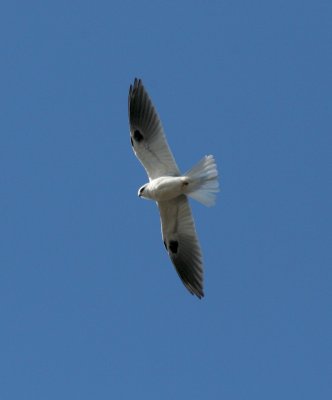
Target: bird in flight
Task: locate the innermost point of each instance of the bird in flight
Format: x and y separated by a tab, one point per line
170	189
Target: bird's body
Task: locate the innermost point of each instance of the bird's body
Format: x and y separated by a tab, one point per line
164	188
170	189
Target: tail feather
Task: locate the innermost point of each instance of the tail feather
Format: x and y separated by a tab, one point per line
203	182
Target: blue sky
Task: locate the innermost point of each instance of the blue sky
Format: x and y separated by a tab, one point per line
90	305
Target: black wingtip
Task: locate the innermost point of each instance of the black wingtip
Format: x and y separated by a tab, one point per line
194	290
199	294
137	82
134	87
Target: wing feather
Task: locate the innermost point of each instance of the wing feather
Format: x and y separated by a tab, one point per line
147	136
181	242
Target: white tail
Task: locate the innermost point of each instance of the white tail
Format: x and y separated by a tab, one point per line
203	181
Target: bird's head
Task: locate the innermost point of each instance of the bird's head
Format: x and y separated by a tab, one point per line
141	191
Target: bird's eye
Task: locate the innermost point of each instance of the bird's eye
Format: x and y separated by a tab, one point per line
142	190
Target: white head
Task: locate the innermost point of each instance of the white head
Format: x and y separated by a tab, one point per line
142	191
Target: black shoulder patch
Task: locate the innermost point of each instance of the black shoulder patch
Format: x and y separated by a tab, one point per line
131	141
138	136
173	246
165	245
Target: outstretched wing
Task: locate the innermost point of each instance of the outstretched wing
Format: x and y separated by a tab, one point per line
147	136
181	242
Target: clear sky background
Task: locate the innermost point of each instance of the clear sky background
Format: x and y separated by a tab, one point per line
90	305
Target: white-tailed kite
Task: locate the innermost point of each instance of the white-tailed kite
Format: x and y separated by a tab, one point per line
170	189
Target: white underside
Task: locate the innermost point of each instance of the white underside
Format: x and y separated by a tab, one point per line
200	183
164	188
